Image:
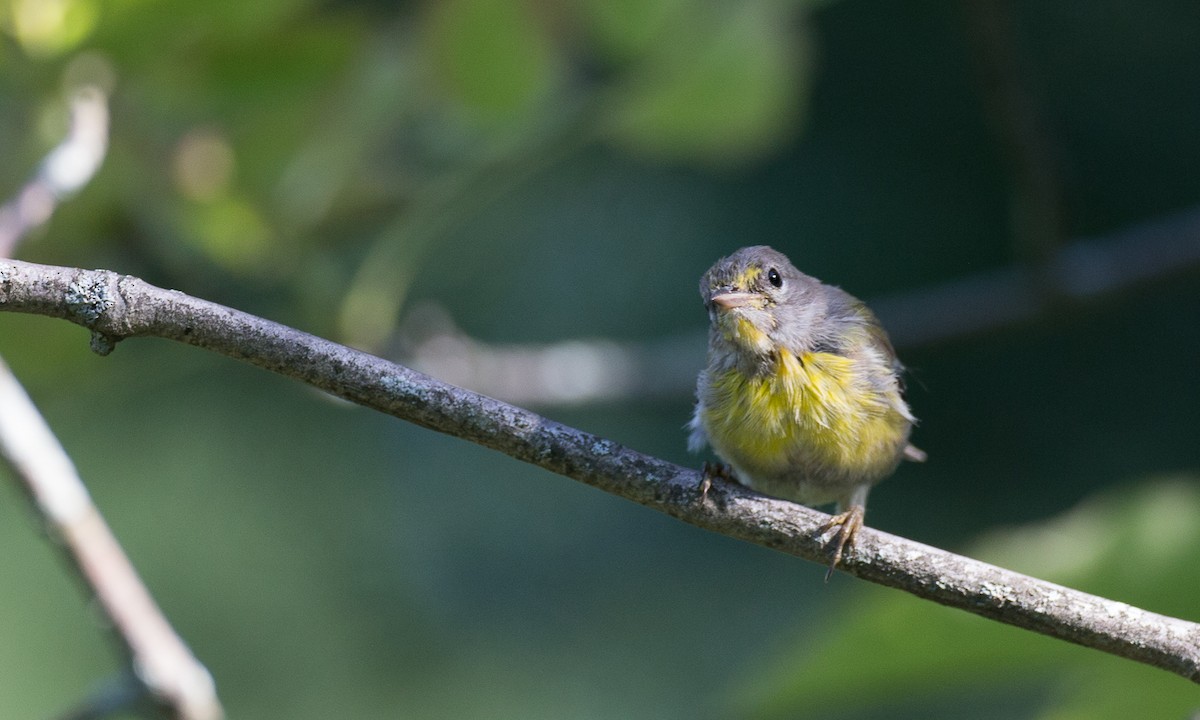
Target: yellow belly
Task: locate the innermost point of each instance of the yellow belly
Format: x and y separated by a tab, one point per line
819	423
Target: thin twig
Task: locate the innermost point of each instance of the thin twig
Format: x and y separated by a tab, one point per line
589	370
162	661
1025	141
66	169
115	307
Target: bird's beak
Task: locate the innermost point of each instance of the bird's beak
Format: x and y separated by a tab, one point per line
730	299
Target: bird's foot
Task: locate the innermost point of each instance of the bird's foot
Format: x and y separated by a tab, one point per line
710	471
848	524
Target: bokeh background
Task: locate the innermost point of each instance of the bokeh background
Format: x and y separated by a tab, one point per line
519	196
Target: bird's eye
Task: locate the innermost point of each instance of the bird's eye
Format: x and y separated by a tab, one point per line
774	277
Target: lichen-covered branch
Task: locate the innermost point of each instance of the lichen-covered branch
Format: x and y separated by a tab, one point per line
116	307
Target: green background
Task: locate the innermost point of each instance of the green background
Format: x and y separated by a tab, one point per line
544	172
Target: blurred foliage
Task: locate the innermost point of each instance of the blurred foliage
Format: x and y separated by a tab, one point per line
1131	544
554	170
248	131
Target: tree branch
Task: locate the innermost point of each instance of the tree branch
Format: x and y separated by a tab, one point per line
163	663
162	666
588	370
115	307
64	171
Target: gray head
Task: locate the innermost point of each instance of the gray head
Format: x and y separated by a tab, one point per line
757	300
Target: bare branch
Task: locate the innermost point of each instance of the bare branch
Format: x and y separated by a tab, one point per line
161	662
1025	142
1078	272
160	658
116	307
65	170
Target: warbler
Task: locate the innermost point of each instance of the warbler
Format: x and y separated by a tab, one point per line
802	396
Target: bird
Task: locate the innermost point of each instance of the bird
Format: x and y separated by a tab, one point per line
802	396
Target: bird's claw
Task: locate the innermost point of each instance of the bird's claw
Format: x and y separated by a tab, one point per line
709	471
848	524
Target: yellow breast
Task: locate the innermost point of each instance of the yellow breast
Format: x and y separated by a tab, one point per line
815	413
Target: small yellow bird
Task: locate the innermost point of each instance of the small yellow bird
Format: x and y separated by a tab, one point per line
802	395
